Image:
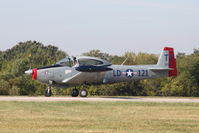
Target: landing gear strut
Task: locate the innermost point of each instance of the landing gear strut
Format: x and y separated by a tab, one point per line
48	92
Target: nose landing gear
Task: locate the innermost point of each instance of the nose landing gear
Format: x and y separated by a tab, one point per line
48	92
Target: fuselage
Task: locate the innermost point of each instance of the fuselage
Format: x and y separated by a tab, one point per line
68	76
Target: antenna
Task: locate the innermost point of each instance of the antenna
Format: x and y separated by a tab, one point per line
124	61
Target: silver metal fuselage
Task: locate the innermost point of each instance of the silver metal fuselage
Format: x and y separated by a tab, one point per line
68	76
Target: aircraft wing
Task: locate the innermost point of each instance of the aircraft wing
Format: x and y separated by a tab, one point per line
71	78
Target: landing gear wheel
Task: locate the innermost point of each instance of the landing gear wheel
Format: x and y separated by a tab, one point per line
48	92
83	93
75	93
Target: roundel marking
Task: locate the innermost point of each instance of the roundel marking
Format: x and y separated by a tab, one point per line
129	73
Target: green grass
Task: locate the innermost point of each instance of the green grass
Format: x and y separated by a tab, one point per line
97	117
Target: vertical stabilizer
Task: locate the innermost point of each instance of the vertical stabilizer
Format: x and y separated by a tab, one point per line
167	60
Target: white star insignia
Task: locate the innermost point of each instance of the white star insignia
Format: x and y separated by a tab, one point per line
129	73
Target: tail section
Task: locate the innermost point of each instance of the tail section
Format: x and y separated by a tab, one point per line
167	61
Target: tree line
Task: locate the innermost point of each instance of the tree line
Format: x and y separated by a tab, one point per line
32	54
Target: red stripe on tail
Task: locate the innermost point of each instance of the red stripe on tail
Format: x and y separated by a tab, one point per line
172	62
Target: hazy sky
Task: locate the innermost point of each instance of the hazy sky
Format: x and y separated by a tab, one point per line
113	26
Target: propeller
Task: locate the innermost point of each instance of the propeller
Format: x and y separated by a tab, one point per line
32	72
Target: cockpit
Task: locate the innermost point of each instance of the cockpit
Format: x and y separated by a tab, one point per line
82	61
68	61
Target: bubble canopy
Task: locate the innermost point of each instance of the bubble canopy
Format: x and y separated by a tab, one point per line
82	61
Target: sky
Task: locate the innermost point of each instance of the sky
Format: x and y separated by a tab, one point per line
112	26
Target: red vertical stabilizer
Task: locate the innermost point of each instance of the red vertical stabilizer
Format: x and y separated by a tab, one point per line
172	62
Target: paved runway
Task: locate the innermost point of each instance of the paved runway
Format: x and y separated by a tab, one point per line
100	99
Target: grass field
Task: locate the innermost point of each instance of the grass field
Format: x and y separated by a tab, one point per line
97	117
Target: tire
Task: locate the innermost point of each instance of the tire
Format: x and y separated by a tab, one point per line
75	93
83	93
48	92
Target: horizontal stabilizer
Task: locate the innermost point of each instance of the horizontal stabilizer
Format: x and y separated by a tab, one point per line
160	69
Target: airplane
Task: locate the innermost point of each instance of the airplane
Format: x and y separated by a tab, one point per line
85	70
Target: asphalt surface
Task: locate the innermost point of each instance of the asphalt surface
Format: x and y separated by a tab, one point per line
100	99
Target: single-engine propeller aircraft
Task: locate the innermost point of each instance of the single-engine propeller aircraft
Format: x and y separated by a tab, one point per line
84	70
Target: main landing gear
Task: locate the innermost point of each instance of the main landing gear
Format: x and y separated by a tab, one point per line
83	93
74	92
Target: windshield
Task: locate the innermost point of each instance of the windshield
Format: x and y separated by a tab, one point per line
68	61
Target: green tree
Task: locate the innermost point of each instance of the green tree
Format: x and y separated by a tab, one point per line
4	87
16	60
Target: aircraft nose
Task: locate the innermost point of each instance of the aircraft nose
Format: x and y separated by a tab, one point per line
32	72
28	72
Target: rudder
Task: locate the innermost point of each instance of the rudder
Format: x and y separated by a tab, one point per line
167	60
172	62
